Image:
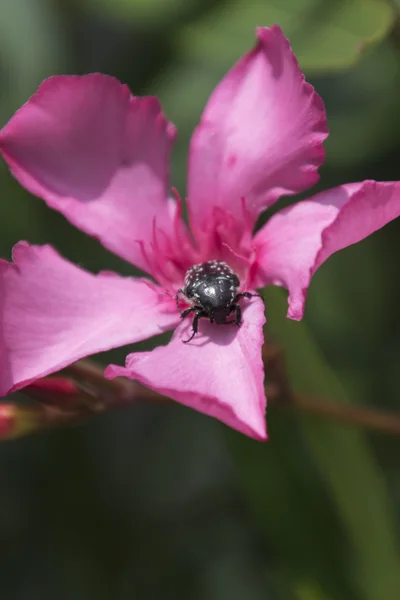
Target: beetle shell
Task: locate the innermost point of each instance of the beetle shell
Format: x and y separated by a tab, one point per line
211	289
212	285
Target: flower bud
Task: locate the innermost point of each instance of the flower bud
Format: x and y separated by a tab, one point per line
16	421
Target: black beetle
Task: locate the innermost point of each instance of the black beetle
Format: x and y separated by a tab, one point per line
211	287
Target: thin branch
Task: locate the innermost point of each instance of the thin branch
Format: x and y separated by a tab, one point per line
360	416
124	391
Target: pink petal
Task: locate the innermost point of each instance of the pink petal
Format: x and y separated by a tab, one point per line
298	239
219	373
52	313
98	155
260	135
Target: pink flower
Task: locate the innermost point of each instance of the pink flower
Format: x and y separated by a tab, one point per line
100	157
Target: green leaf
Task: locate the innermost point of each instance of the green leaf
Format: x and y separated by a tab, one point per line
31	46
143	11
324	36
345	461
292	510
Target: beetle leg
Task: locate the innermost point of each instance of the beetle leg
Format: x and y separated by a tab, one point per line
246	295
238	316
195	323
187	311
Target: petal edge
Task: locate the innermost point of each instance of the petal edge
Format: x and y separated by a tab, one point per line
53	313
297	240
220	373
260	135
96	154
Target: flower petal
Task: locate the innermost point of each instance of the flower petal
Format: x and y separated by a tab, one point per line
219	373
298	239
53	313
260	135
98	155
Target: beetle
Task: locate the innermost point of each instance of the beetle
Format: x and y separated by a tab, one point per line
212	289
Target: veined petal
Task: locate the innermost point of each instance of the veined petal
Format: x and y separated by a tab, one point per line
219	373
298	239
98	155
260	135
53	313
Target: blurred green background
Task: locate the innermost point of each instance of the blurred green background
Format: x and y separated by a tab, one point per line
162	502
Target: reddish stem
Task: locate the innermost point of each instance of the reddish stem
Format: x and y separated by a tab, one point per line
121	391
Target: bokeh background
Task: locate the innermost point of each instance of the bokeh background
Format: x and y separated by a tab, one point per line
162	502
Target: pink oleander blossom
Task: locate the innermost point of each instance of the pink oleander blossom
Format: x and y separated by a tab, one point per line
100	156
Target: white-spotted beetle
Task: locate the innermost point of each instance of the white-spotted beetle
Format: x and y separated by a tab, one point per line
211	287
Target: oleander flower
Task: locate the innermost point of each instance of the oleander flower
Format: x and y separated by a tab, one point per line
100	156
